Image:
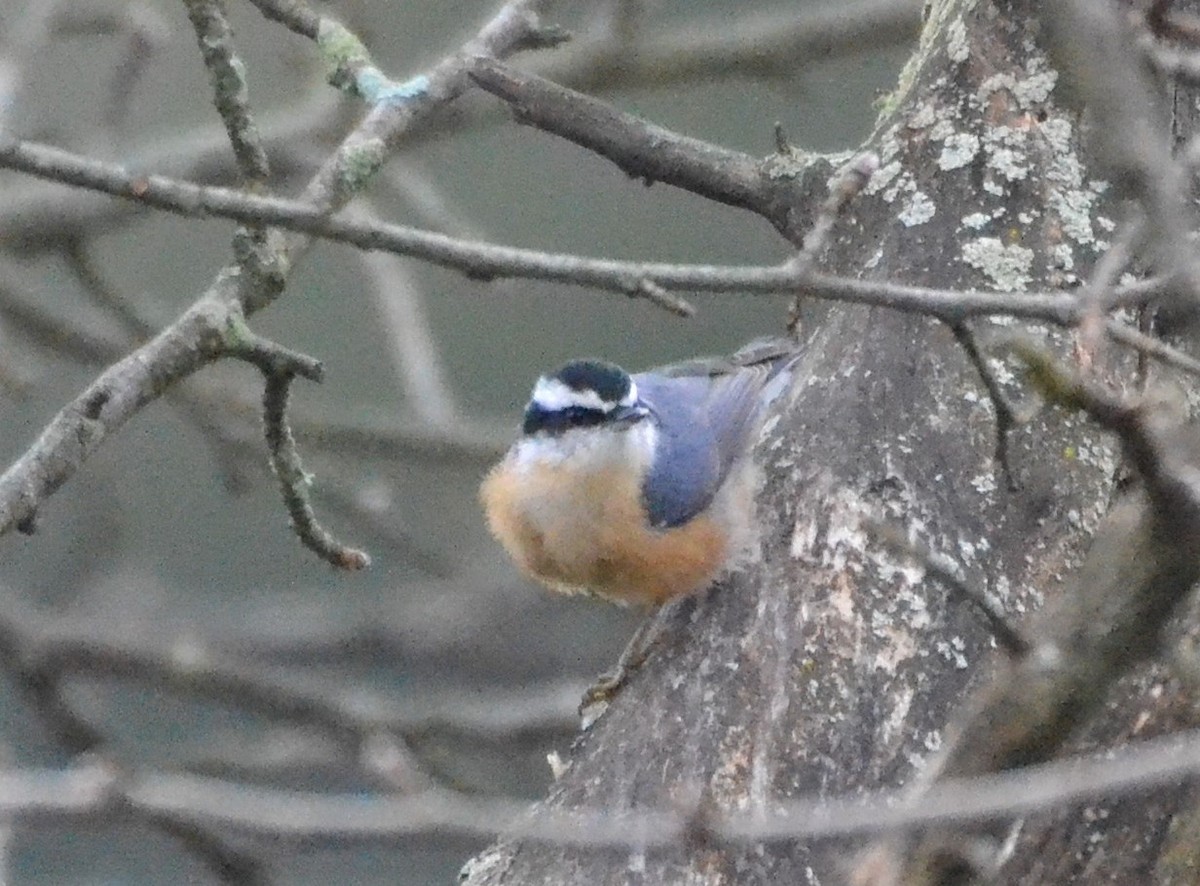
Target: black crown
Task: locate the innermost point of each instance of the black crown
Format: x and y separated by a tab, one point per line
609	381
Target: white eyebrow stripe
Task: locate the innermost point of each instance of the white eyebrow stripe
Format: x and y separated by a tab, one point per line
631	398
552	395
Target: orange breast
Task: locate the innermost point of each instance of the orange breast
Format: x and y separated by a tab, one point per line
589	534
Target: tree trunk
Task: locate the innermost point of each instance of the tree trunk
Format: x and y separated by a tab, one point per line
829	665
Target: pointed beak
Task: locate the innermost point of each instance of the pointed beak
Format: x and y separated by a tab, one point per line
627	415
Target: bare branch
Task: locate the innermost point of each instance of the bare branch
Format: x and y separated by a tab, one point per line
845	185
1006	415
292	816
200	335
226	72
489	261
641	149
294	480
24	660
295	14
773	44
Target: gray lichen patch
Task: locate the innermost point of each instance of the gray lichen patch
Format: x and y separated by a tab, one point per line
1009	163
976	220
883	177
924	117
942	130
1074	208
919	210
1071	196
957	47
1021	152
1007	151
1009	268
958	150
1034	89
1064	258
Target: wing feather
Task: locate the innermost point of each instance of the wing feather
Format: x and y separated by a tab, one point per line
707	412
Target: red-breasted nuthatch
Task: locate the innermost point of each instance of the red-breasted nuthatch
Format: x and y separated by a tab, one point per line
640	488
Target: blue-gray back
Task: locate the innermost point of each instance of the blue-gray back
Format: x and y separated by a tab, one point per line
705	422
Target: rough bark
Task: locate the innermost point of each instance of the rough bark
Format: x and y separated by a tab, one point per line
827	665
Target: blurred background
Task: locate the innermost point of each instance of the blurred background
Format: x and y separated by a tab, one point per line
173	545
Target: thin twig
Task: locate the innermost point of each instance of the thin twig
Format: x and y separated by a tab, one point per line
145	32
44	693
844	186
294	14
1152	347
1006	416
200	334
410	341
1100	289
1151	430
103	293
231	865
641	149
279	367
43	658
462	442
230	91
28	319
946	571
294	480
309	817
488	261
772	44
663	298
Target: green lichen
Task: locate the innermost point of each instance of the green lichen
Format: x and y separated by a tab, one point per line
351	70
342	52
236	333
938	17
360	162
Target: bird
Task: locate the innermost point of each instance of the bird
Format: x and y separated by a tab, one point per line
638	489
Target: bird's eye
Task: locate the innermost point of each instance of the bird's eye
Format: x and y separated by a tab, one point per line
579	416
556	421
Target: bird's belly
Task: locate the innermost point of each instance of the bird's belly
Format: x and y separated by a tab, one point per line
589	535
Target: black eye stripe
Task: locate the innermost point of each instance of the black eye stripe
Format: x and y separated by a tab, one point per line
559	420
583	393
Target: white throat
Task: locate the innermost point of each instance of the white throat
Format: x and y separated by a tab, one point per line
590	448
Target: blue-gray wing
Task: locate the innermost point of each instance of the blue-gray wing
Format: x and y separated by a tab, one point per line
706	415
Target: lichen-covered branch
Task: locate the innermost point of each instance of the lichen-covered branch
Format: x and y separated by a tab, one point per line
489	261
227	74
199	336
1141	568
